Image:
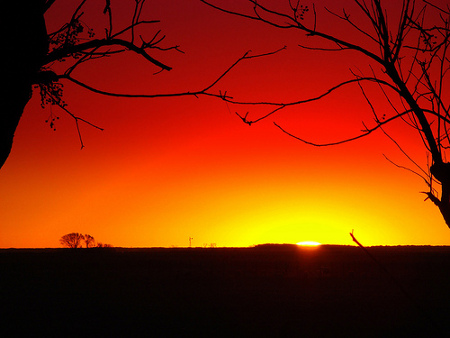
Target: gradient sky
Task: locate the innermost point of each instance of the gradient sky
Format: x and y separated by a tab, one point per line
164	170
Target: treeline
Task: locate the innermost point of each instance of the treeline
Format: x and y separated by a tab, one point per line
76	240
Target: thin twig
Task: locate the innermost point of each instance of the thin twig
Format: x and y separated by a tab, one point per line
77	119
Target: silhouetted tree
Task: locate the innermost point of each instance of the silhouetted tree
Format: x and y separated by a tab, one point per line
32	52
72	240
34	55
89	241
406	49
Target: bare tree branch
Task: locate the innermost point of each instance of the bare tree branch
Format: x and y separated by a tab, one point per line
98	43
204	91
365	132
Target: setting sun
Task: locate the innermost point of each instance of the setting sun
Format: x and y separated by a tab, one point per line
308	243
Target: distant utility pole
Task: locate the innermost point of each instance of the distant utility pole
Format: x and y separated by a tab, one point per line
190	241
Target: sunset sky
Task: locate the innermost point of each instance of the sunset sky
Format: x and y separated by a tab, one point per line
167	169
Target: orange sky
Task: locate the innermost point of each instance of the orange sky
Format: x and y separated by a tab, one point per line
164	170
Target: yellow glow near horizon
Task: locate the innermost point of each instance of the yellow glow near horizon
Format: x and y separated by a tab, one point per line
308	243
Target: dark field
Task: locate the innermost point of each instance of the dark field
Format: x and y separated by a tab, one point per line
255	292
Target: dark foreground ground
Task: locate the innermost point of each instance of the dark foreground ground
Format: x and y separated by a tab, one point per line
264	291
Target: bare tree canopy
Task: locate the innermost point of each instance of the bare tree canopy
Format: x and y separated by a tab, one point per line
35	52
406	54
73	240
89	241
46	59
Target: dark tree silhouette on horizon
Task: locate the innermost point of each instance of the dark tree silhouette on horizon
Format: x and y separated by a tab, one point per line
407	56
72	240
89	241
75	240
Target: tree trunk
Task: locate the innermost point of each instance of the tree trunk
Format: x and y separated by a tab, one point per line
441	172
25	44
444	207
13	98
440	169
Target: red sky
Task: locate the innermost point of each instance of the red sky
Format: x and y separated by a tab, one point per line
164	170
